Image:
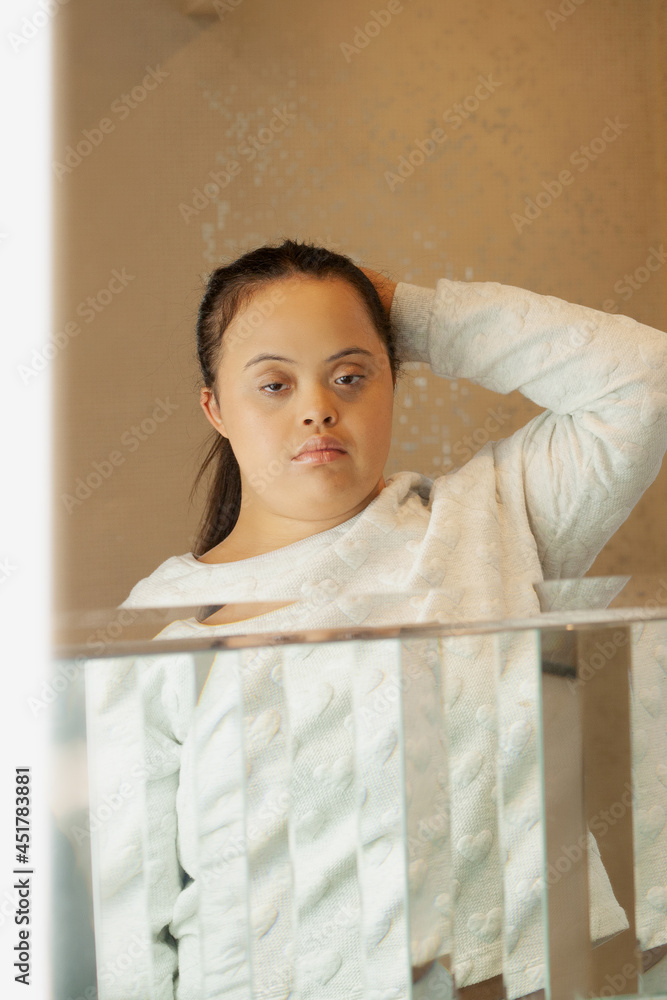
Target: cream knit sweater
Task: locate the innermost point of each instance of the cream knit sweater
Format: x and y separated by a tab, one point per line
537	505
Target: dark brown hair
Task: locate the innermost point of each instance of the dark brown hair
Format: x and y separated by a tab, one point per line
229	289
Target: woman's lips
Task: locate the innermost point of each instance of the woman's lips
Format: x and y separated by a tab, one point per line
320	456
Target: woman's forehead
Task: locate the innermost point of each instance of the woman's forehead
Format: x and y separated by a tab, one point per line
310	315
299	290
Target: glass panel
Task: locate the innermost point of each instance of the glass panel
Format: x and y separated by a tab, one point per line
649	763
211	913
474	843
268	738
381	817
322	821
604	743
602	688
72	935
521	810
122	876
332	813
427	819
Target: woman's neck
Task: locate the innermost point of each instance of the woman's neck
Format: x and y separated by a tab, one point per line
258	531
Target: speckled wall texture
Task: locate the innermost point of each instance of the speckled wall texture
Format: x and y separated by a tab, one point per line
321	106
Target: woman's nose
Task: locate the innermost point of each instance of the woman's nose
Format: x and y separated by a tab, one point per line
319	407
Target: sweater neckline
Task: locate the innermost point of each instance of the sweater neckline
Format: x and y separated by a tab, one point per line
397	486
292	549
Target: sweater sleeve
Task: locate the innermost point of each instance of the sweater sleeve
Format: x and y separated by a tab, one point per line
583	464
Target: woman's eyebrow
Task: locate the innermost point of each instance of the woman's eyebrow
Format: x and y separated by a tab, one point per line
290	361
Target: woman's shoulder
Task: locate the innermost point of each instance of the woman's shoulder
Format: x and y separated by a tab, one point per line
167	574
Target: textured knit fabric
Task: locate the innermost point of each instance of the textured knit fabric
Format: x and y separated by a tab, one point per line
537	505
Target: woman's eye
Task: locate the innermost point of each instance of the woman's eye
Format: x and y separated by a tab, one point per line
272	388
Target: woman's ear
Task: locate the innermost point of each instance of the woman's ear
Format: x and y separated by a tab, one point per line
209	405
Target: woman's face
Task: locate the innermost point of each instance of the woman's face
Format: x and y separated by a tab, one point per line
300	361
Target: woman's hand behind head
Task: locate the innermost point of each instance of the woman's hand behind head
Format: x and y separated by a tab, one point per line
385	287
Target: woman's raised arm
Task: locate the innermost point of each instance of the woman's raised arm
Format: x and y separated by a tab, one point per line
602	378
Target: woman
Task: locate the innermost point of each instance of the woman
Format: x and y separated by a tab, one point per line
300	354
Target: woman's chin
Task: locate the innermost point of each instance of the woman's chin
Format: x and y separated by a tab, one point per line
331	500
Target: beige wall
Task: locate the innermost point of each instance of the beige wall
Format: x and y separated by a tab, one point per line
323	178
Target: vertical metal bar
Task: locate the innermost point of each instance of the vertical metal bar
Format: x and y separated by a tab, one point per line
427	815
445	901
603	675
566	832
648	651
